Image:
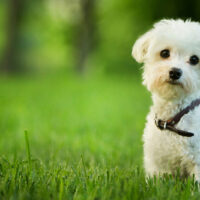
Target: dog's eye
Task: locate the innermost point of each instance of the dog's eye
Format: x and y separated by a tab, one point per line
194	60
165	53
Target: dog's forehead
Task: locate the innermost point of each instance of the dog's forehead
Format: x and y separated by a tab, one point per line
177	27
184	35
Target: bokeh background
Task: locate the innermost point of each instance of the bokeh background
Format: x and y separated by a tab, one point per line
67	76
79	35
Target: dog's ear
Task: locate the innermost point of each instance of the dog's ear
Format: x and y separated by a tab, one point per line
140	48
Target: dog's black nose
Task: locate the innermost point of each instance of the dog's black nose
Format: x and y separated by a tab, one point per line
175	73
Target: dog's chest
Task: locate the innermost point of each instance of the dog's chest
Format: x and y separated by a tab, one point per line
168	148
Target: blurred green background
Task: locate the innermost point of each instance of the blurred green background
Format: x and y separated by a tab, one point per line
84	36
67	76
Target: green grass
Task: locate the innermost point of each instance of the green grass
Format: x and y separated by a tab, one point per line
66	137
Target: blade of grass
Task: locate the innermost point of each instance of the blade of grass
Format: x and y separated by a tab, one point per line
61	189
28	149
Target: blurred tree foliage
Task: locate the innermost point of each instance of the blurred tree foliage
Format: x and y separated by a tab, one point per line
86	33
81	35
15	16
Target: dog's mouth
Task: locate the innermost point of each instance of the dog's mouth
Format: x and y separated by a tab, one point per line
171	82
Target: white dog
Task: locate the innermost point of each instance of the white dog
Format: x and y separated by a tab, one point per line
170	53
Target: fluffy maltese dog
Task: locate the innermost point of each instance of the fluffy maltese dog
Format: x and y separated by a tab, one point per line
170	52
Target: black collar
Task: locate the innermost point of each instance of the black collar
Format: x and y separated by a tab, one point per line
169	124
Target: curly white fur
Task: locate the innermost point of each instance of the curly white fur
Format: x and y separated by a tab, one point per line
165	151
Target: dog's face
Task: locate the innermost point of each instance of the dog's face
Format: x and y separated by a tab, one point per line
171	56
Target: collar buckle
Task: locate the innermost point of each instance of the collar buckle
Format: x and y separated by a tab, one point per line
162	125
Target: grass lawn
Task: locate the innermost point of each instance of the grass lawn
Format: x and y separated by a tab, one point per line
83	140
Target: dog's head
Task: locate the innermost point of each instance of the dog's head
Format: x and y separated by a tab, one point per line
171	56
